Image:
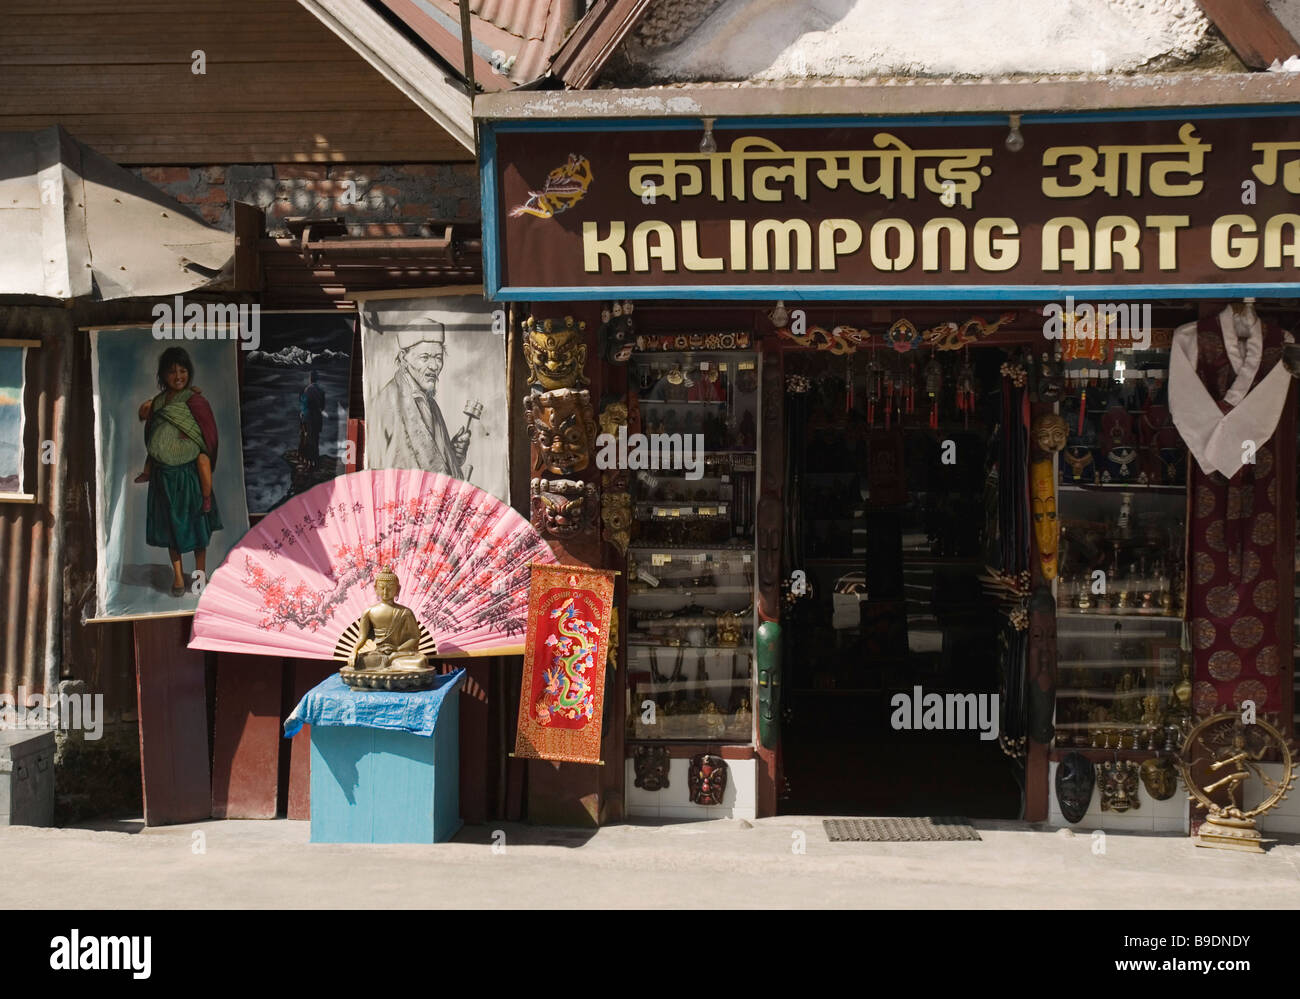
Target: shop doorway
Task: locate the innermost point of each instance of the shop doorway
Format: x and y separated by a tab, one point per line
890	517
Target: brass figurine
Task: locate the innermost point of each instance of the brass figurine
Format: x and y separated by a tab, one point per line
742	721
1224	753
714	722
388	644
729	628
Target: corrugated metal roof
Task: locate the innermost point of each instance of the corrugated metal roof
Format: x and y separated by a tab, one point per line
77	225
521	34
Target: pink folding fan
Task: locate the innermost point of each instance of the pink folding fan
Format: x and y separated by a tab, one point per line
300	579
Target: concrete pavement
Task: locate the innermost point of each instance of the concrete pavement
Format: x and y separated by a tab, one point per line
720	863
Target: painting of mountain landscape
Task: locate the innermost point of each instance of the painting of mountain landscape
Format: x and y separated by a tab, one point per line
294	405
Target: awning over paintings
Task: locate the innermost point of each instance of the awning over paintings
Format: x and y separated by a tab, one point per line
77	225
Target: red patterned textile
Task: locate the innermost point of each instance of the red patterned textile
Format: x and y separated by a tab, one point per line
1240	551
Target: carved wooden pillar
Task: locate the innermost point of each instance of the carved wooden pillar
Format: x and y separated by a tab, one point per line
564	503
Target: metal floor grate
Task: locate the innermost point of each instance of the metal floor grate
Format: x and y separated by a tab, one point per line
899	830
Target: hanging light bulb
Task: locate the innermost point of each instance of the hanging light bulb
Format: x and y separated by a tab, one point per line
780	316
1015	141
708	144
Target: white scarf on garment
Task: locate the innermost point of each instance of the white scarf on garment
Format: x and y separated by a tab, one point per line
1217	438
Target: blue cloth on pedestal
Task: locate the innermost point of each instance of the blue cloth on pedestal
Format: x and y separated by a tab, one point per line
332	702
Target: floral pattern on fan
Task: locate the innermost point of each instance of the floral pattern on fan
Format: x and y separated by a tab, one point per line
306	571
303	606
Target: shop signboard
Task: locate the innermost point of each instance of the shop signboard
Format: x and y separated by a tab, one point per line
1158	205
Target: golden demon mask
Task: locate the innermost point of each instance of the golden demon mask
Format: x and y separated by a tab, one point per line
1050	432
561	507
555	354
562	428
1047	529
612	417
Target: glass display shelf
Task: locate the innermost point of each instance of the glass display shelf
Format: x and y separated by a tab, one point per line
1120	664
691	572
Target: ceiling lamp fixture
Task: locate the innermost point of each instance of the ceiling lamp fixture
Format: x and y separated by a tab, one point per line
1015	141
708	144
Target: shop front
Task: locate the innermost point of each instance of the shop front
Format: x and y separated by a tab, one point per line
948	460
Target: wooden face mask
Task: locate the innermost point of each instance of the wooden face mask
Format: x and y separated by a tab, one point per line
562	427
561	507
1050	432
1046	526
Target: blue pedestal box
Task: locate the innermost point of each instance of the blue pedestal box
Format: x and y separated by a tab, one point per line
385	767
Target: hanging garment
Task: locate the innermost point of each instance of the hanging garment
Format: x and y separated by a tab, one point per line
1252	387
1241	512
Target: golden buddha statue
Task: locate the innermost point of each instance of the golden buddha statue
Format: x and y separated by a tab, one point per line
387	643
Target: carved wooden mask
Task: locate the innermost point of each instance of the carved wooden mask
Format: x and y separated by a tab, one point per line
562	428
563	507
708	779
651	764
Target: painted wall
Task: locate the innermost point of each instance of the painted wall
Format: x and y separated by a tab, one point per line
851	39
374	195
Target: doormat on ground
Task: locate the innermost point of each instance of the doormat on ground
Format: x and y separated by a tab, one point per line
899	830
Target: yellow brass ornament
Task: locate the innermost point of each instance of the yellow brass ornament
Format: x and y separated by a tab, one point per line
1234	752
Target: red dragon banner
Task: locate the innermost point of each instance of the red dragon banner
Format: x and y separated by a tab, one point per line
562	695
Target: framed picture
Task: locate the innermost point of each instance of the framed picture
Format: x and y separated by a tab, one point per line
434	384
294	405
171	499
13	421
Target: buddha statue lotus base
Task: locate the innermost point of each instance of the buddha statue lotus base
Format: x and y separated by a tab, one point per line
389	679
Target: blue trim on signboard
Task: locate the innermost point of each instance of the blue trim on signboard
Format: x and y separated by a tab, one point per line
871	293
487	158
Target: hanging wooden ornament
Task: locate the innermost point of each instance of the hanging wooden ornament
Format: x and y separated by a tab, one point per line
933	386
966	388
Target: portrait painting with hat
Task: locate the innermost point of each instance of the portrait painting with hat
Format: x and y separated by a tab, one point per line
409	429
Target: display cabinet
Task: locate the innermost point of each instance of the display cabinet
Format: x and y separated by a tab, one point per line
1123	675
1122	678
691	597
